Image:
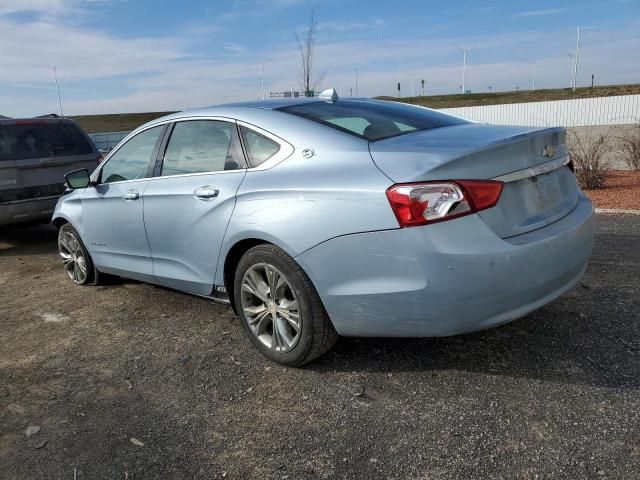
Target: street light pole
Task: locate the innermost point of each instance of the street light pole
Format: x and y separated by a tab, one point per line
533	82
356	82
572	64
464	66
261	82
577	58
55	78
464	70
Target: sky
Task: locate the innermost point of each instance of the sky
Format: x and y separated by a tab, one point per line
115	56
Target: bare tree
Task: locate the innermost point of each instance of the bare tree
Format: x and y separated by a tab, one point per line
306	44
589	150
629	147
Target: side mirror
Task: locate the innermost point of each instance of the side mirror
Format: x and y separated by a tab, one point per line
77	179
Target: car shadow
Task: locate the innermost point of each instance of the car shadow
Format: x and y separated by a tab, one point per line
21	240
588	336
566	351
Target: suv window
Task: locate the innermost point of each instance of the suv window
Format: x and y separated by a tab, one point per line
372	121
32	139
200	146
131	160
259	148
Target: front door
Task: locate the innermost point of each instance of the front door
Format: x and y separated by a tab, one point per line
187	206
112	212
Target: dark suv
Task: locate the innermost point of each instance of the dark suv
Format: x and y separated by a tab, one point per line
35	153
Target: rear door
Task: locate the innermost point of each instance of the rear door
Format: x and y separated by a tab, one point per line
188	204
112	210
35	154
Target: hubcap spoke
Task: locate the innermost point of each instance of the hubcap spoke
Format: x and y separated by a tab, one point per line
256	321
81	264
256	286
292	318
76	272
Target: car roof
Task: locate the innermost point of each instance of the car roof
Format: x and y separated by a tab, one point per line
272	104
34	120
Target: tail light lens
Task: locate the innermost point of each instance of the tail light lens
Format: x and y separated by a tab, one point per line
423	203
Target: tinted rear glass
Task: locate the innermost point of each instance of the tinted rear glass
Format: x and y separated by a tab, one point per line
372	121
41	140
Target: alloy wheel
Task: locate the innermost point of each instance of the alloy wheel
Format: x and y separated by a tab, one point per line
270	307
73	257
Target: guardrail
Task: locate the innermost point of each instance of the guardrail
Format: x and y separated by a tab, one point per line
583	112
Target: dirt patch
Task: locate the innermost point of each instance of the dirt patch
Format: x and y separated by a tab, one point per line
553	395
621	190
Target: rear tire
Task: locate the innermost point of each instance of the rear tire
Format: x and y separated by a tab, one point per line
280	308
77	262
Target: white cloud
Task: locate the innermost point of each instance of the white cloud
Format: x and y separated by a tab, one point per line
234	47
103	73
540	13
12	6
348	26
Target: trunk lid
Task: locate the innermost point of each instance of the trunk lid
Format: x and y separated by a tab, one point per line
539	188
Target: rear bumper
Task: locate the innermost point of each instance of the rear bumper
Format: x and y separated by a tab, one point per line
447	278
29	210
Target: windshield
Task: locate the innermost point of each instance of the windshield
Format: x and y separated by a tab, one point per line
22	141
372	121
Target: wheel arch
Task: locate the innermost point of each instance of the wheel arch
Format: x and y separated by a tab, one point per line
59	221
231	261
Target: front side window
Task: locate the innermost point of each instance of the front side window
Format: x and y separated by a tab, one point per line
200	146
259	148
131	160
372	121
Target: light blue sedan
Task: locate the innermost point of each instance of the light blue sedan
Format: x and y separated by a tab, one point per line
322	217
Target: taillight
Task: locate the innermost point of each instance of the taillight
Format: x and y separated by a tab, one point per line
571	165
430	202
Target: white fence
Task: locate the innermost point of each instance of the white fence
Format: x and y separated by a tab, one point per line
581	112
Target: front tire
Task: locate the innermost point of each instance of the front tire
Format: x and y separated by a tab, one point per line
75	258
280	308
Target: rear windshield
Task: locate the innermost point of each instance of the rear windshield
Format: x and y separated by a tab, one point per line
372	121
41	140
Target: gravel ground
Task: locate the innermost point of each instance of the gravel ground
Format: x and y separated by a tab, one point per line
133	381
621	190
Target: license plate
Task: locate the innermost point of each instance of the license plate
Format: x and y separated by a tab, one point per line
548	190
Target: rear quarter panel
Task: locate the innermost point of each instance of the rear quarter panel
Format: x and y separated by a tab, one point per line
302	202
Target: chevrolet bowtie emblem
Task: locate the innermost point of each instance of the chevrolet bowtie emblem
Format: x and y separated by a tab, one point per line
548	151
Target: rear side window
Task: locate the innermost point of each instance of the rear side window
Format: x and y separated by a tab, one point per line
372	121
131	160
200	146
258	147
25	141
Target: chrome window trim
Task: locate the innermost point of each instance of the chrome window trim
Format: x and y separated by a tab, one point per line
196	174
286	149
534	171
96	173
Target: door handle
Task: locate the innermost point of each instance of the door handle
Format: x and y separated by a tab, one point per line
205	193
131	195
